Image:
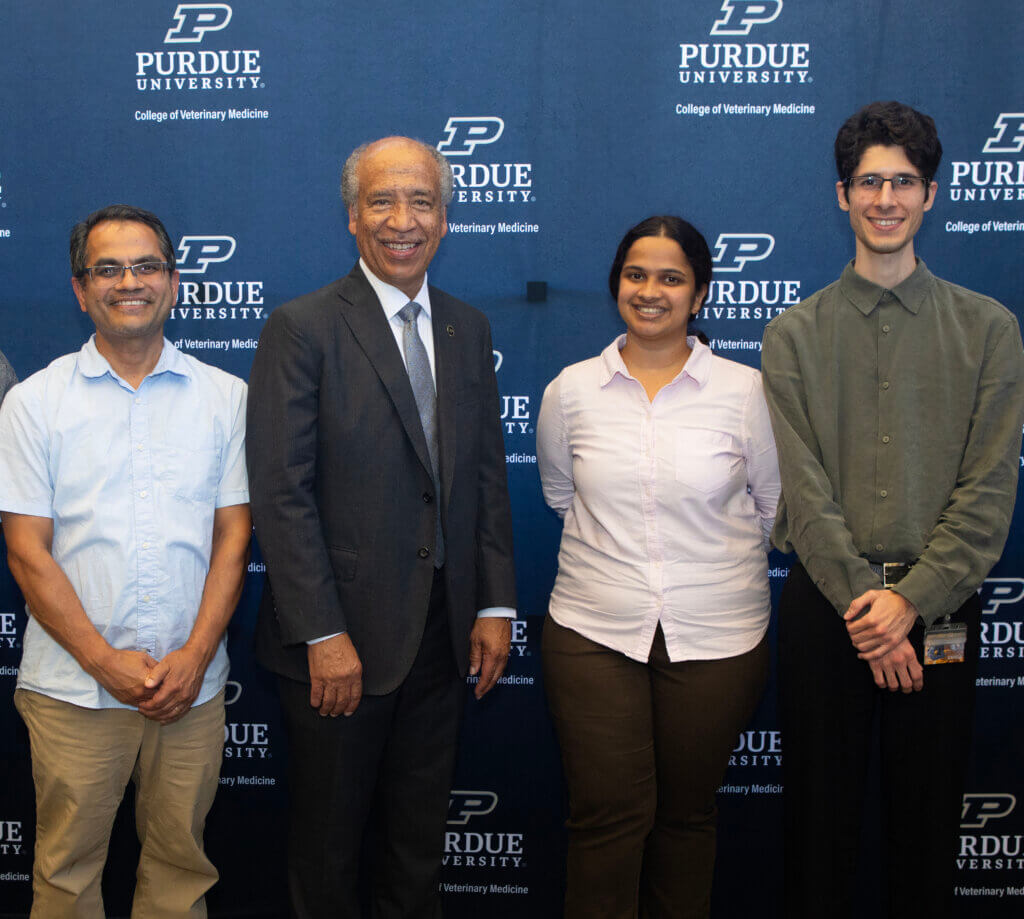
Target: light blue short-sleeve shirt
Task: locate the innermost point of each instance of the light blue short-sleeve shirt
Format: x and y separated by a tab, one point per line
131	479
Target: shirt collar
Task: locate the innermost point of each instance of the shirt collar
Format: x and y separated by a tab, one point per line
93	364
697	366
865	295
391	298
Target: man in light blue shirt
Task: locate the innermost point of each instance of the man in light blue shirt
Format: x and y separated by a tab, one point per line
124	500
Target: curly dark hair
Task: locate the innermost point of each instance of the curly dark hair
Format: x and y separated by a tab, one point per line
891	124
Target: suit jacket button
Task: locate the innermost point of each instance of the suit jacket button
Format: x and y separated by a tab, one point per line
423	552
427	497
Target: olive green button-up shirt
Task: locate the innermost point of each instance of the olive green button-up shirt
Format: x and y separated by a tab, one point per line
897	416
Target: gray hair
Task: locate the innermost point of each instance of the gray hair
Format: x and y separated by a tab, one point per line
350	176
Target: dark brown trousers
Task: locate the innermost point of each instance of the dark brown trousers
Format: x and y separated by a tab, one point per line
644	746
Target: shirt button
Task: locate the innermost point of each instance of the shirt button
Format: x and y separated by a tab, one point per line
423	552
138	401
885	385
885	328
146	598
885	438
879	547
427	497
145	545
143	493
884	493
139	447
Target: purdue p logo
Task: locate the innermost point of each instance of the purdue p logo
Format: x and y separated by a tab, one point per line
195	253
996	592
464	133
1009	136
741	15
978	809
734	250
465	804
194	20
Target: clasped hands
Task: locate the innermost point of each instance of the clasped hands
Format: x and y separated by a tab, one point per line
878	622
161	690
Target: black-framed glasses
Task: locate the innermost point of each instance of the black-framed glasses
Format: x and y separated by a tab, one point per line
111	274
872	184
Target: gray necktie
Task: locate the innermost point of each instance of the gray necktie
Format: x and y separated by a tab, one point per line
418	365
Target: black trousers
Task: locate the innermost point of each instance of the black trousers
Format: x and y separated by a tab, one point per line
828	702
375	784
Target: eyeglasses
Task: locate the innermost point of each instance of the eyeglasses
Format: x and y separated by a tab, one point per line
902	185
111	274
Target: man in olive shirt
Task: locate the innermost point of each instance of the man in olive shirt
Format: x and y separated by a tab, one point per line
897	404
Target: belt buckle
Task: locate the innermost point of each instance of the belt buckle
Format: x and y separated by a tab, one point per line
893	573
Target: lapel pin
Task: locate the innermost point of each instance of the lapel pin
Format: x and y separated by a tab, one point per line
451	330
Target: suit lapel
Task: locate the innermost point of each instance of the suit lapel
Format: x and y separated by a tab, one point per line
446	359
363	314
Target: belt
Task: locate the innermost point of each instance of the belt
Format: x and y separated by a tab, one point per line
891	573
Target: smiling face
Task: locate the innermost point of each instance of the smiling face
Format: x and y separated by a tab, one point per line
132	308
398	219
657	292
883	222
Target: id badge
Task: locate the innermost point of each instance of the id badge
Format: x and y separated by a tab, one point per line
944	643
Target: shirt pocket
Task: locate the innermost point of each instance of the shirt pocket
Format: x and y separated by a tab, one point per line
705	459
189	473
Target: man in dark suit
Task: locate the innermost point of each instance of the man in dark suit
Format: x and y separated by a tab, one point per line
377	471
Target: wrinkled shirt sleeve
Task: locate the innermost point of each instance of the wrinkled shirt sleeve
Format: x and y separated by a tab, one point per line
969	536
762	459
554	457
25	480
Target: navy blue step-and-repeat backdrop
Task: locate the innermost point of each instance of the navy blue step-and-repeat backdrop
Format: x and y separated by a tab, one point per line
565	123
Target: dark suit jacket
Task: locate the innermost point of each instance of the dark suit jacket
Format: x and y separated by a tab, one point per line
342	493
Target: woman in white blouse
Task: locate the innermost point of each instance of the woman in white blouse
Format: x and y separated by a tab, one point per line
660	457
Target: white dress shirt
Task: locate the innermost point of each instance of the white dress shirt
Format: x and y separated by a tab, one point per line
393	301
667	504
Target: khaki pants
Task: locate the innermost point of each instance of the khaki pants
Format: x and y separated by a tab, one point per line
82	761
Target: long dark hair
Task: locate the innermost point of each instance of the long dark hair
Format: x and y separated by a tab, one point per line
690	240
